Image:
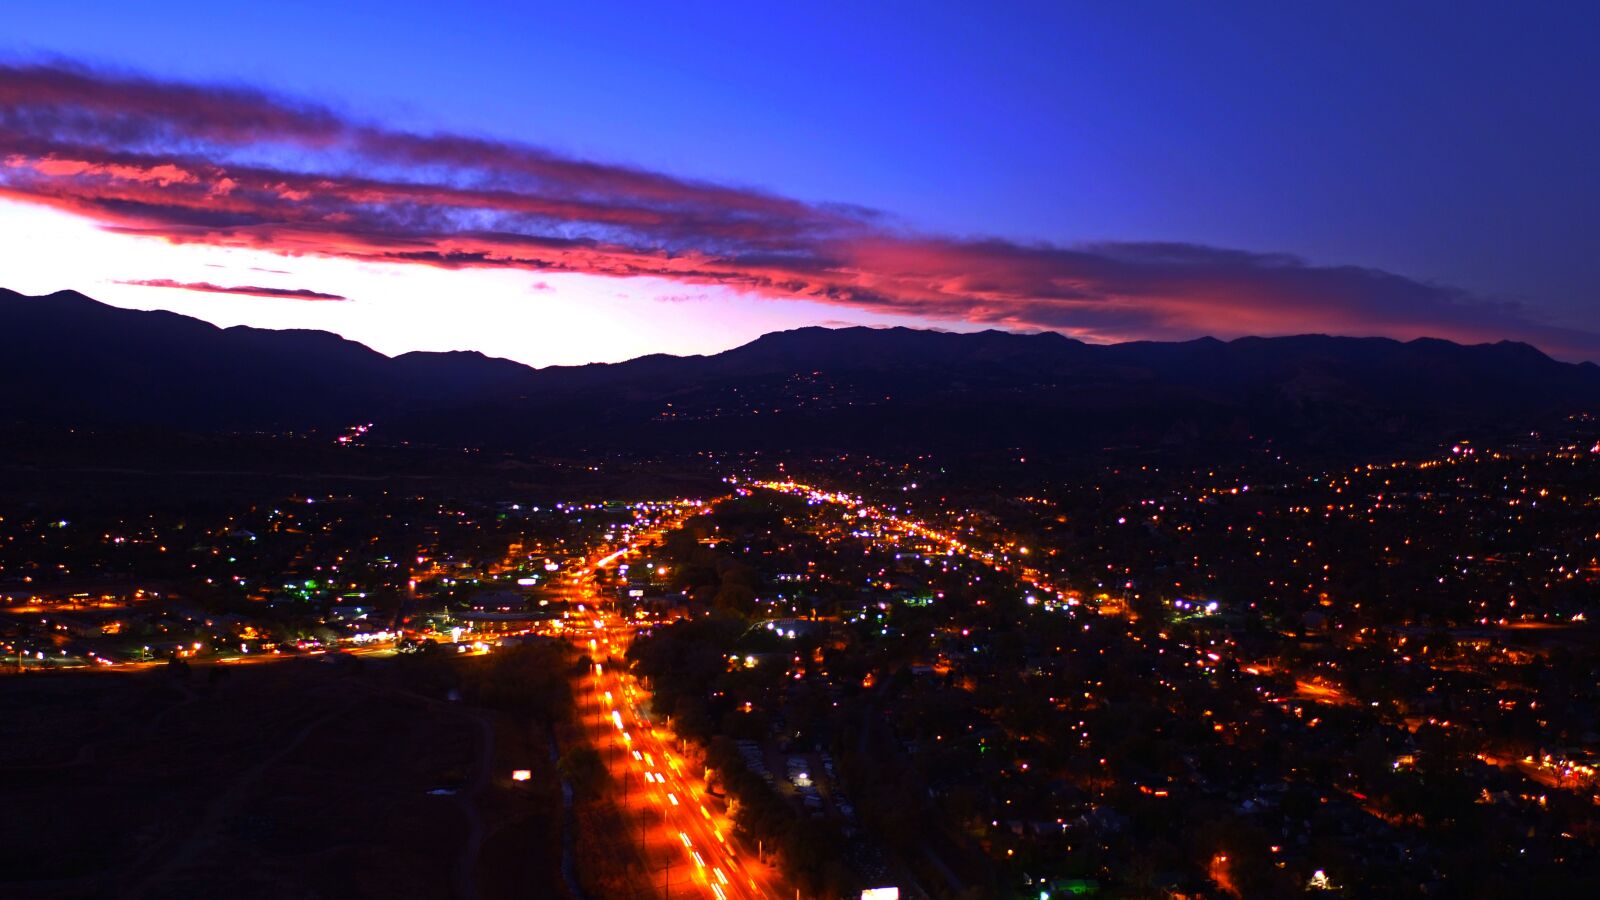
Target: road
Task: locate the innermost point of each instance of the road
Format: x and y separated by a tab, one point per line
683	832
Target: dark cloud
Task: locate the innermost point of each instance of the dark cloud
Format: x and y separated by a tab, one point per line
250	290
237	167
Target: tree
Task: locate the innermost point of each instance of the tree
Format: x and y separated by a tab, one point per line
584	770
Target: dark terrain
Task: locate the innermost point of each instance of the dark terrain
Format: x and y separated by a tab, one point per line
337	777
74	362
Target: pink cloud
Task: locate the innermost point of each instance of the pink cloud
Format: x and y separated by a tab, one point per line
184	163
248	290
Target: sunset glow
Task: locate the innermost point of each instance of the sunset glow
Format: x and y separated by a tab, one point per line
290	185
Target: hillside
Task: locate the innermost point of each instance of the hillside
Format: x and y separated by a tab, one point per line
72	361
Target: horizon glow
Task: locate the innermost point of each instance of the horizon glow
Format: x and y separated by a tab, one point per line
395	309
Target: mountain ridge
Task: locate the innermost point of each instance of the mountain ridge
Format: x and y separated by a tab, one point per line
77	361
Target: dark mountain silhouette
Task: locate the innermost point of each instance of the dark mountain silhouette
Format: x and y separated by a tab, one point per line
71	361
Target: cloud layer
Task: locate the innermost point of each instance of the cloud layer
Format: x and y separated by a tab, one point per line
248	290
236	167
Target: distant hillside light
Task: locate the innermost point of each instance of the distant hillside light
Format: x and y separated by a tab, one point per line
521	774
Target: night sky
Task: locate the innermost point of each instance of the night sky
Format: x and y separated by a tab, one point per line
571	183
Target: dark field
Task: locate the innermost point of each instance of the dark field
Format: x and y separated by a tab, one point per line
293	779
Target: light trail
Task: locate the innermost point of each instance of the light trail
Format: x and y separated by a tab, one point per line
630	741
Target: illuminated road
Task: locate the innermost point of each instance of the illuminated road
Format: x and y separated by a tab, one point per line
684	833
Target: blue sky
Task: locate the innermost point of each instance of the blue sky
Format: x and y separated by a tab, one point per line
1448	143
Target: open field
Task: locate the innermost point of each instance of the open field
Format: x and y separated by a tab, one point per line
301	779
